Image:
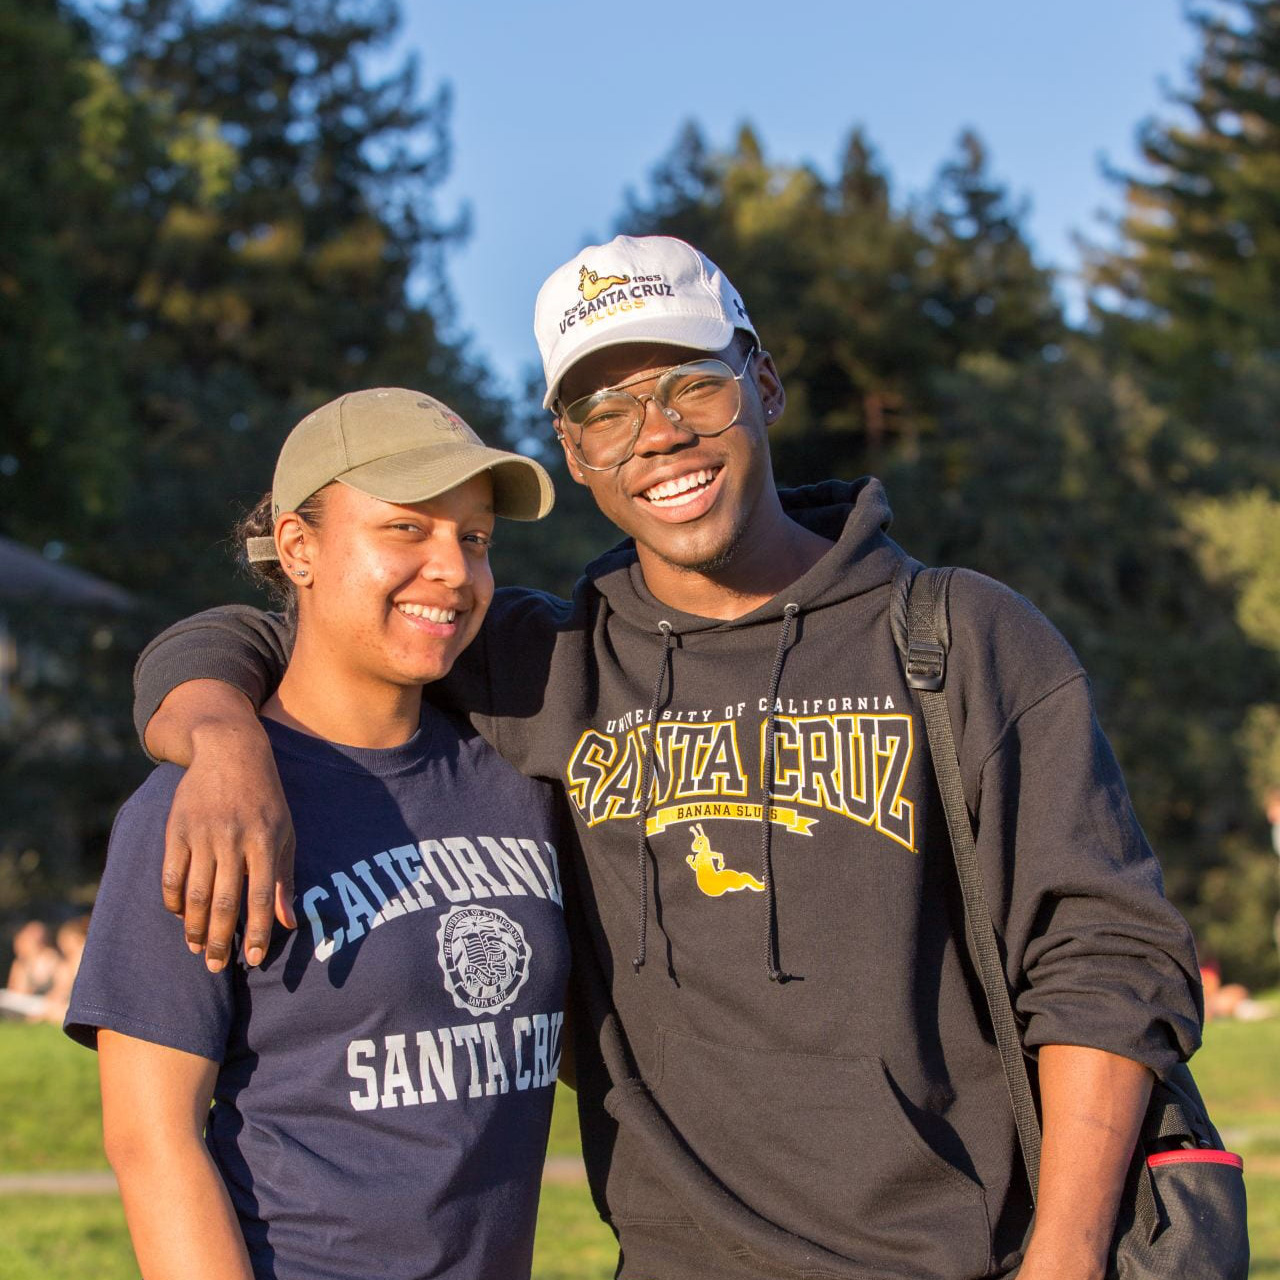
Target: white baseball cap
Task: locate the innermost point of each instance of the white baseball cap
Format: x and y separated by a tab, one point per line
633	289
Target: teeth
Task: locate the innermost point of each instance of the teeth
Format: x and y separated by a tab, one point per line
425	611
674	488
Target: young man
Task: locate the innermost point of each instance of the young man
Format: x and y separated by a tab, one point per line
785	1063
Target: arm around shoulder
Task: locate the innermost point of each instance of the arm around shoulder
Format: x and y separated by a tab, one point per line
239	646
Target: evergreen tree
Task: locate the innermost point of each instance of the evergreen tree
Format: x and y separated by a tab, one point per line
72	154
862	303
72	147
216	219
1189	302
925	344
1193	290
261	242
987	294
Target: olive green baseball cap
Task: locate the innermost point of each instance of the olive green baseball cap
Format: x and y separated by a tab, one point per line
401	446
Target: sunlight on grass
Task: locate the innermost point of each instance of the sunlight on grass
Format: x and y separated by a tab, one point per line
572	1242
47	1236
49	1098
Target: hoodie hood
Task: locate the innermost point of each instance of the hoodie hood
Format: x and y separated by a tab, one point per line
854	514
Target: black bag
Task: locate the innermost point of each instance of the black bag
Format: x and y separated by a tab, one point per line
1182	1213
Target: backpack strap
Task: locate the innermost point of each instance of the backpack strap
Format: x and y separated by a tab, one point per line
921	627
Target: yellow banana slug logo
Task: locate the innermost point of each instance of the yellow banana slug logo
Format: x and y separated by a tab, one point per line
591	286
713	877
853	766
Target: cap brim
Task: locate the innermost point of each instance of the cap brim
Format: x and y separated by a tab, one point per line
522	489
700	333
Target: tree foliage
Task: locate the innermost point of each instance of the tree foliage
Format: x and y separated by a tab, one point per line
65	434
860	302
1193	291
1188	301
217	219
249	231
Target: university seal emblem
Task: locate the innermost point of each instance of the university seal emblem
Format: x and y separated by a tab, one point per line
484	958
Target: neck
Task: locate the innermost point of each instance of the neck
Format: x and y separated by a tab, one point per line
321	698
772	553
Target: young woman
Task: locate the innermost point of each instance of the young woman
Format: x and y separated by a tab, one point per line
381	1086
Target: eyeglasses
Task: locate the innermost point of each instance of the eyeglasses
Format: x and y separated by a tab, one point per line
703	395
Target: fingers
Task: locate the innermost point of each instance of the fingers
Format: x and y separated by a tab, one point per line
260	901
195	905
210	902
228	823
270	895
173	874
223	910
203	882
187	875
284	885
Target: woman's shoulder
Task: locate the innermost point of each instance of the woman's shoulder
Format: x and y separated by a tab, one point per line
156	791
148	807
477	764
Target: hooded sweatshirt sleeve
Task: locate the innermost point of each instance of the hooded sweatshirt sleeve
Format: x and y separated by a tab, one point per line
1095	953
239	645
524	670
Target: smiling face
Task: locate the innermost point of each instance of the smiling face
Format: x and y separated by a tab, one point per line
689	501
393	594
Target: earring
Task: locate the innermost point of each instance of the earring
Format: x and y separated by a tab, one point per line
299	573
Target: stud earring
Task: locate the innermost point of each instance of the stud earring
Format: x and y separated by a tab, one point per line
299	573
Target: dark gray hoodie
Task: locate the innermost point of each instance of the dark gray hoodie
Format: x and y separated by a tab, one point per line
781	1019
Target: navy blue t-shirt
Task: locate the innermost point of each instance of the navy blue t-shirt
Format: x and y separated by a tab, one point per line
386	1076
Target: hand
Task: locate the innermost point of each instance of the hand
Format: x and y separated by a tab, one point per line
228	816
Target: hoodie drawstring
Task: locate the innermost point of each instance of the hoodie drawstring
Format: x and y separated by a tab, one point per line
646	775
775	973
766	824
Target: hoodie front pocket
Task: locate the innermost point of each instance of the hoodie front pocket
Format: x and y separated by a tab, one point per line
821	1147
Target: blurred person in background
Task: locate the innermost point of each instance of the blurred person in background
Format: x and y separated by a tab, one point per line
71	939
36	962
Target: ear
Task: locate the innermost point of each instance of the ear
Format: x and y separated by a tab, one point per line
773	396
575	468
294	546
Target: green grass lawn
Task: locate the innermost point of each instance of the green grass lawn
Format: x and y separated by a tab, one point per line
49	1101
57	1237
64	1236
1238	1071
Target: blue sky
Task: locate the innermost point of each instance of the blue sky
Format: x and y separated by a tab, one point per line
561	105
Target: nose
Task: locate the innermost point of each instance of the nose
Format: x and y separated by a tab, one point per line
447	563
658	433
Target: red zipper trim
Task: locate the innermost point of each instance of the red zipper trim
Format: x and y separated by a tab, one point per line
1198	1156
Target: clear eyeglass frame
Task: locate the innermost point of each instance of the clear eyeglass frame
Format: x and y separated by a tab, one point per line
574	415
